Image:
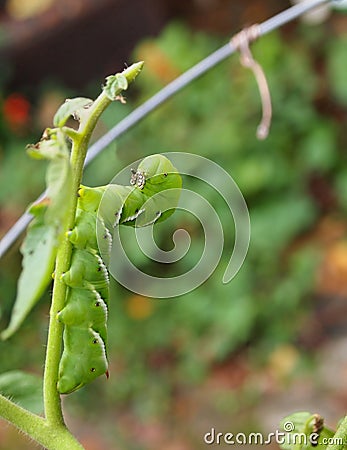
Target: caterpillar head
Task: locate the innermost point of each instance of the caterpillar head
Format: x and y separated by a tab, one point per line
157	169
158	183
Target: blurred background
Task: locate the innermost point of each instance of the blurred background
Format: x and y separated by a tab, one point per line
236	357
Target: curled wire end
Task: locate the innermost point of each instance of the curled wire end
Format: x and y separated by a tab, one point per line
262	131
241	42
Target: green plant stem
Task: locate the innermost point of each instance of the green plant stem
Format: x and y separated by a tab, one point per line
49	436
339	436
52	403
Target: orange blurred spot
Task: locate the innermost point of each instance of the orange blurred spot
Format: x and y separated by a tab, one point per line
332	277
157	63
139	307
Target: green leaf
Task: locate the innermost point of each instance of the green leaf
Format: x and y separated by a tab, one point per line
337	66
114	85
53	146
119	82
24	389
59	185
44	233
319	148
72	107
39	251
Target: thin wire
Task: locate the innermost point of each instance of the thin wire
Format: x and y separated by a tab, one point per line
164	94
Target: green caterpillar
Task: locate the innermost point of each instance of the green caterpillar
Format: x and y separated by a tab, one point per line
152	196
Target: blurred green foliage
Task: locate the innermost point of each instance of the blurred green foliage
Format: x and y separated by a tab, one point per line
157	346
23	388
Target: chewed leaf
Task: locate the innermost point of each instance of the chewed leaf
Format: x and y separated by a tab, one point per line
51	146
24	389
119	82
39	251
71	107
114	85
54	147
44	233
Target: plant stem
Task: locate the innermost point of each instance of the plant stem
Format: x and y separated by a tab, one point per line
339	440
49	436
52	403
